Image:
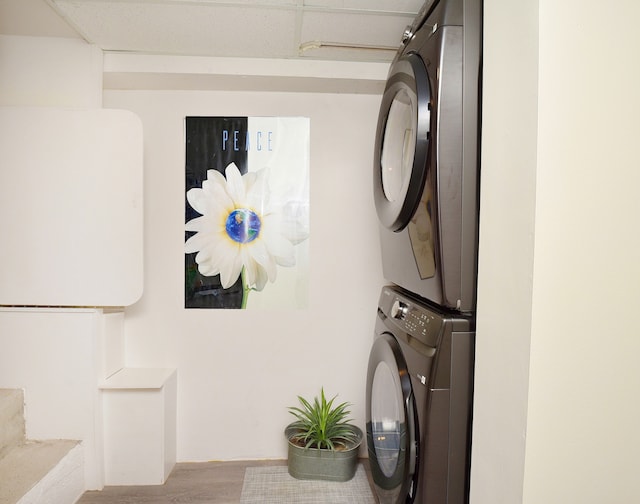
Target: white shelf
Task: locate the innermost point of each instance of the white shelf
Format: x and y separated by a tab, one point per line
138	379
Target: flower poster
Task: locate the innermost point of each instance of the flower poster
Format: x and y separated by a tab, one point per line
246	212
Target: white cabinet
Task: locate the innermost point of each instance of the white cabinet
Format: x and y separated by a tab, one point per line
139	407
71	215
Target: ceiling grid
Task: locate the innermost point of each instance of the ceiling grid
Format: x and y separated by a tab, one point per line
334	30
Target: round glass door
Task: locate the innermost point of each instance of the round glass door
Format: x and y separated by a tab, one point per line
402	142
398	146
387	419
391	421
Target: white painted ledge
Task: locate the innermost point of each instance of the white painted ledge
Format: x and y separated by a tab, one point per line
152	71
138	379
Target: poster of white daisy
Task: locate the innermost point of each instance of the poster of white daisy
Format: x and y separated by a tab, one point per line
246	212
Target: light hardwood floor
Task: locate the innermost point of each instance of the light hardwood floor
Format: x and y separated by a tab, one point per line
189	483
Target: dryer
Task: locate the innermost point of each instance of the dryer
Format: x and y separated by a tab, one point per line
419	402
426	159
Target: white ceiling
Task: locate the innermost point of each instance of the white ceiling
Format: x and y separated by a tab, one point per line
350	30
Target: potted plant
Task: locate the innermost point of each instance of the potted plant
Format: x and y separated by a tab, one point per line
323	444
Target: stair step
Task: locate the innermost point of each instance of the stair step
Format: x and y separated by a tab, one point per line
12	432
36	469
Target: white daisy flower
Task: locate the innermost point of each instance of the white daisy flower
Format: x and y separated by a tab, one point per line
238	229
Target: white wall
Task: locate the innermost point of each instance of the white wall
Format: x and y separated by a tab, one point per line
49	72
57	356
505	269
582	434
559	152
239	370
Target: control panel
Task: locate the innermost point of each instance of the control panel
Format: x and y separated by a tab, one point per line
416	320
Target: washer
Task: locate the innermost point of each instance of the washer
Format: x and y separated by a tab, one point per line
419	402
426	159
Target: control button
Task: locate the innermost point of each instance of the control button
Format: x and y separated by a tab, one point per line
407	34
399	310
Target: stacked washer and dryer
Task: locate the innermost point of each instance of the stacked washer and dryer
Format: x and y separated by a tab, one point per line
426	184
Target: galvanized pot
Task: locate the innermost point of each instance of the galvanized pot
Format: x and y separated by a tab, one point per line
322	464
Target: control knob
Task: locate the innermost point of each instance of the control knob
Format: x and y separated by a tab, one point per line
407	34
399	310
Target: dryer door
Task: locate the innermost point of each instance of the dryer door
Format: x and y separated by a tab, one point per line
402	142
392	436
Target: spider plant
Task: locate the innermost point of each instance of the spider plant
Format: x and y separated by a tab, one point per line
321	424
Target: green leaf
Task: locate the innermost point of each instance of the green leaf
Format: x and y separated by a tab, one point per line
321	425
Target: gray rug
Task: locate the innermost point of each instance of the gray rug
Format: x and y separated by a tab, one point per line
274	485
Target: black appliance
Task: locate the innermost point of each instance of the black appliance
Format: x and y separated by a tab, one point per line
419	402
425	181
426	184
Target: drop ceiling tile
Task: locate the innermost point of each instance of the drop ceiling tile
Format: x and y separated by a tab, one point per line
256	3
410	6
242	28
188	28
32	17
358	29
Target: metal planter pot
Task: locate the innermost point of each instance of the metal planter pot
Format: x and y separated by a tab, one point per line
327	465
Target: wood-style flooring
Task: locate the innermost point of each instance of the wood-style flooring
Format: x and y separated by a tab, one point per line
189	483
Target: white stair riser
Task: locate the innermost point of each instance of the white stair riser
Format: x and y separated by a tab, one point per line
34	472
64	484
12	428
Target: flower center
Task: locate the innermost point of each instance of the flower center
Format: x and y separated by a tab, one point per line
243	225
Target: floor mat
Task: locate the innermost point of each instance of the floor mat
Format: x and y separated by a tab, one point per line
274	485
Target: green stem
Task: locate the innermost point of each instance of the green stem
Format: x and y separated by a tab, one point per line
245	290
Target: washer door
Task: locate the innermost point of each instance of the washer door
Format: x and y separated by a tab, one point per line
392	434
402	142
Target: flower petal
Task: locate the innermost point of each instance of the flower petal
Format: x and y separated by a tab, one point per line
280	248
260	254
195	224
195	243
261	279
230	269
235	185
255	275
218	253
197	199
211	199
215	177
257	195
206	269
250	268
